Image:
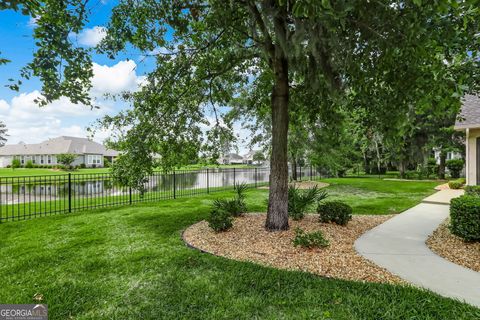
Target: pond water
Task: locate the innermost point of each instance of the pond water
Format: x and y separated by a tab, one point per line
50	188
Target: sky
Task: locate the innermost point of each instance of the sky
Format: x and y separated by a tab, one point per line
29	123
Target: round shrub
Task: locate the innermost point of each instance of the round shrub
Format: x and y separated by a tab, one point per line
465	217
456	184
310	240
335	211
220	220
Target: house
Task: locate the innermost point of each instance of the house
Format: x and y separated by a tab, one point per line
248	158
469	122
88	152
451	155
231	158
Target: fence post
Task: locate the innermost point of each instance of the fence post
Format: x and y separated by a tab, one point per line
130	194
255	177
174	186
208	182
311	173
69	192
233	178
300	167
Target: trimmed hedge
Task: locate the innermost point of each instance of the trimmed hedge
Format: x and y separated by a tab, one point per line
472	190
335	211
465	217
456	184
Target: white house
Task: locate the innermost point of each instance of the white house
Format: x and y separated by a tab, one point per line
231	158
469	122
450	155
88	152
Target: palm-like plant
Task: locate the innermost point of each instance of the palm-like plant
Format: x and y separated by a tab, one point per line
235	206
300	200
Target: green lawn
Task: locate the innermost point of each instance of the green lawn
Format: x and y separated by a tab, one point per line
20	172
369	195
130	263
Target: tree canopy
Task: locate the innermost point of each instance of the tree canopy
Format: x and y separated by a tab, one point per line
384	57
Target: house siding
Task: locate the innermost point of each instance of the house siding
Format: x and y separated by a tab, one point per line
471	152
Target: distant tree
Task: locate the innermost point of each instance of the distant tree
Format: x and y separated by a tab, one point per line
16	163
66	159
258	157
3	134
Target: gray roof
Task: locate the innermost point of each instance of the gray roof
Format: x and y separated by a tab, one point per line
57	146
234	156
469	116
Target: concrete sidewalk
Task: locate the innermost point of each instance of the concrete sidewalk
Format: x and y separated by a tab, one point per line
443	196
399	246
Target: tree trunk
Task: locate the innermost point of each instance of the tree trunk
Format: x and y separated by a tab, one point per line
402	168
441	166
294	168
379	158
277	215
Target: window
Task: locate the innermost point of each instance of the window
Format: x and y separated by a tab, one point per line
22	159
94	159
49	159
42	160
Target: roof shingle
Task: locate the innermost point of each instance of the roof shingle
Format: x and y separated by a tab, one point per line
470	113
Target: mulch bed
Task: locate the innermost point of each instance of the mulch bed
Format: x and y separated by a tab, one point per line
304	184
249	241
454	249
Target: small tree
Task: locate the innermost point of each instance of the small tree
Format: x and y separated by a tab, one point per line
66	159
258	157
16	164
455	166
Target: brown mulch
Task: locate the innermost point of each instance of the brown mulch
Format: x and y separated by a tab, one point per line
442	187
304	184
249	241
453	248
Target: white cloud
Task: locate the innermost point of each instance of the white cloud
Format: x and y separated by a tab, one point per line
91	37
28	122
115	79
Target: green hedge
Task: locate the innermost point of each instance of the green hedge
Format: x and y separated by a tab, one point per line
472	190
456	184
465	217
335	211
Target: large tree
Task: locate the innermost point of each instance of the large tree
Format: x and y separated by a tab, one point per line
208	52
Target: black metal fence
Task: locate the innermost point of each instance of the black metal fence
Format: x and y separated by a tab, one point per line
36	196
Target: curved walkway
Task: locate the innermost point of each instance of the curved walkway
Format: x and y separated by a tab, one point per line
399	246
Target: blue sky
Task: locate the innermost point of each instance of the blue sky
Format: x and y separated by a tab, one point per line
29	123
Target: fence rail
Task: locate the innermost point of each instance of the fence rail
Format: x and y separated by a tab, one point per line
36	196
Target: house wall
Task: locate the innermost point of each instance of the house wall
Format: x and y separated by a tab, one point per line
471	155
5	161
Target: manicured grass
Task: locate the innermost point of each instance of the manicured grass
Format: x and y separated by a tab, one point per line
130	263
21	172
370	195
